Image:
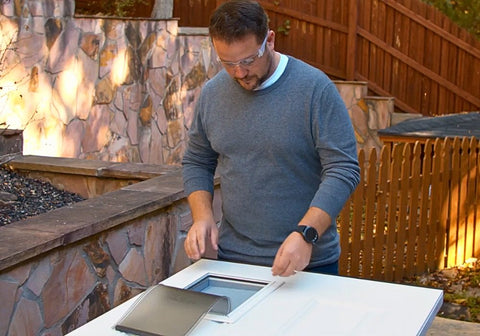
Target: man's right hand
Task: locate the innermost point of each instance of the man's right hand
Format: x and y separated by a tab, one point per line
203	227
195	243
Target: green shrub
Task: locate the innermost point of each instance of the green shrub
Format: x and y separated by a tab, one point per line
465	13
122	8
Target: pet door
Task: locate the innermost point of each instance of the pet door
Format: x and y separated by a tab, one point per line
242	293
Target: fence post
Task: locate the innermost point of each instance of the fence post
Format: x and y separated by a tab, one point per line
352	39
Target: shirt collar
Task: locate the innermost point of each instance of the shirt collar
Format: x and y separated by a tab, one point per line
276	74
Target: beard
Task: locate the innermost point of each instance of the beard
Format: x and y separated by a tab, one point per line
251	82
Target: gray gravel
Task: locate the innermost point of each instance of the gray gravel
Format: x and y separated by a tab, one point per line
22	197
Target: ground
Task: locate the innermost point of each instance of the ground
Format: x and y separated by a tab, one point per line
461	287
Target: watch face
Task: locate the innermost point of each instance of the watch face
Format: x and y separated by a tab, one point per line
311	234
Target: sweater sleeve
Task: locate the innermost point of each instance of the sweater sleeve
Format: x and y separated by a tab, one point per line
336	145
200	160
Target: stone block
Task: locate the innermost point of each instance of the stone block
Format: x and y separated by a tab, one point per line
11	141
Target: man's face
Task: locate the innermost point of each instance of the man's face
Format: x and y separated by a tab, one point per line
246	61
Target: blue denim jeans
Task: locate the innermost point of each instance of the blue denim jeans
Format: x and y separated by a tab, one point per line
325	269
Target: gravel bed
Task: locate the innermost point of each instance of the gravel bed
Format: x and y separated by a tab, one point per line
22	197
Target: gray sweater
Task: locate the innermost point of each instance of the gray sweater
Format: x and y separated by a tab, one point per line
277	151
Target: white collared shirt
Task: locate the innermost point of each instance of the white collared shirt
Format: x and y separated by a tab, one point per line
276	74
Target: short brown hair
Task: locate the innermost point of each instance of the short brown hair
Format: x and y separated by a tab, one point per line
235	19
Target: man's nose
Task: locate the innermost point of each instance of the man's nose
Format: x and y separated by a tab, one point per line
239	71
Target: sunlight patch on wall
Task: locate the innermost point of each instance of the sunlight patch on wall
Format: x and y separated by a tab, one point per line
68	84
11	100
120	69
11	109
43	130
65	91
43	137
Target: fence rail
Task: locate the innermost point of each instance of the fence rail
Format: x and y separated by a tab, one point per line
404	49
416	209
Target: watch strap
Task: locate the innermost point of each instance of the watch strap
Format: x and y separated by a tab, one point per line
309	233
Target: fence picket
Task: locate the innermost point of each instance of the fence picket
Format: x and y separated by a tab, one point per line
370	210
392	212
402	217
454	203
383	177
435	210
343	221
462	194
446	151
357	223
470	201
476	204
424	207
413	213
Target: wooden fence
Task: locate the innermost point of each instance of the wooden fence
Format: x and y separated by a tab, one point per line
193	13
404	49
416	209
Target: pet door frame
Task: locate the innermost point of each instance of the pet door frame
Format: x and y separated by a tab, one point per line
219	284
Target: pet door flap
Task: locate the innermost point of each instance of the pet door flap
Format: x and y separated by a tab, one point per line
170	311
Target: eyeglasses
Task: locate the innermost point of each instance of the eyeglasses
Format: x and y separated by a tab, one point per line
247	62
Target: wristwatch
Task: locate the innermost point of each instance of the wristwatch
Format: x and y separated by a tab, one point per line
308	233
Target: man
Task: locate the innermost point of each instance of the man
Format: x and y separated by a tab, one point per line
278	134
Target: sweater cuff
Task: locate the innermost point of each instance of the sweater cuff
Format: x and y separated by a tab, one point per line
195	184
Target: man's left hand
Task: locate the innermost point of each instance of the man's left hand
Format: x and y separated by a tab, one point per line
293	255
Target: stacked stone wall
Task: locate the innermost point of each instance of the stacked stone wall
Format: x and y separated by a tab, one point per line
112	89
61	290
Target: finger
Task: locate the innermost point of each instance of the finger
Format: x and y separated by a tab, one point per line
188	250
289	270
214	238
280	263
200	244
192	246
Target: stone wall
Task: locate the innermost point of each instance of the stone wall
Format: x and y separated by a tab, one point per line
104	88
61	290
368	114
